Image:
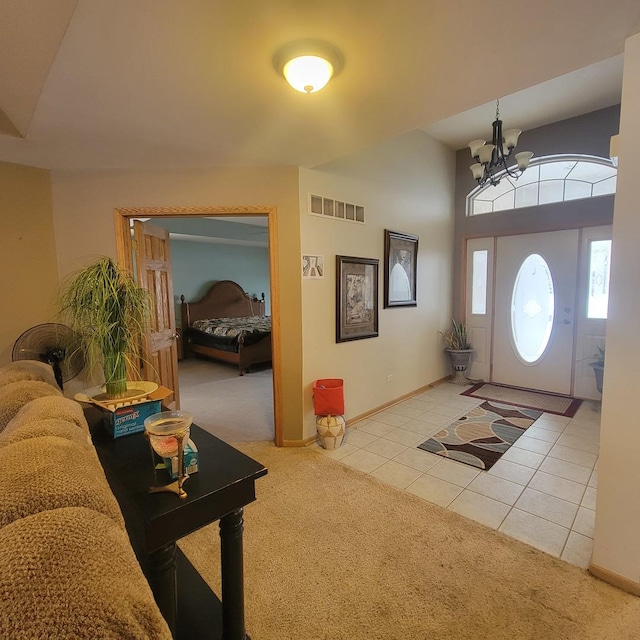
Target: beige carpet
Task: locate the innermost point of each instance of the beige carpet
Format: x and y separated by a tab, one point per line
331	553
234	408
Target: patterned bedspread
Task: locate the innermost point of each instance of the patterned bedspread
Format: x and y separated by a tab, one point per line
249	327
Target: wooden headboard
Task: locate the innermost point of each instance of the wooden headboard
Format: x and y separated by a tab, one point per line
225	299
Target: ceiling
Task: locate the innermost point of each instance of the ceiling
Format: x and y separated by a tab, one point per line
123	84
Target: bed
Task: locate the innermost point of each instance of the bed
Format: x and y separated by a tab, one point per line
227	325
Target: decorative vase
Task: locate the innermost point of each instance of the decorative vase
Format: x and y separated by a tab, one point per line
460	359
330	430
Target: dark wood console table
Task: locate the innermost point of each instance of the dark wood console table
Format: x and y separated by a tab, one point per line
223	485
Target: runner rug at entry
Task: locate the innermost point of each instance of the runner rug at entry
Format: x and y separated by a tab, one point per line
549	402
481	436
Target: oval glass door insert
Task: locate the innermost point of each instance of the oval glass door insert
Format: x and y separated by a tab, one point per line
532	308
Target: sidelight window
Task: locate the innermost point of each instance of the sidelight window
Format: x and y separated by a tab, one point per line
479	290
599	263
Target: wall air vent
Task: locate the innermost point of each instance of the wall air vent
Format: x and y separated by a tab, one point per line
330	208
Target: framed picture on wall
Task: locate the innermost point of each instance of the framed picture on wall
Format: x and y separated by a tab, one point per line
356	298
400	269
312	267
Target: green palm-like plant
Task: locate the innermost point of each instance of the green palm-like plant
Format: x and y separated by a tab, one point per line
598	358
456	337
108	310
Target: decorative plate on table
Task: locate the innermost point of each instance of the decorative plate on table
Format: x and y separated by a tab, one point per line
136	390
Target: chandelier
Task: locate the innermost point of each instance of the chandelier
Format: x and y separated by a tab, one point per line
491	159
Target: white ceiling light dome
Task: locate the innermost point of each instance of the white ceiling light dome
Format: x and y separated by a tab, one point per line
308	65
308	74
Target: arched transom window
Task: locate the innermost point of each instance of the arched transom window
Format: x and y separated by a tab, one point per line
547	180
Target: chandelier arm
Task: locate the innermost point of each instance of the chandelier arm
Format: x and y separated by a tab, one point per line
497	162
490	175
514	173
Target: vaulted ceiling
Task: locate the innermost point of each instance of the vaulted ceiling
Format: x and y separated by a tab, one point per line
92	84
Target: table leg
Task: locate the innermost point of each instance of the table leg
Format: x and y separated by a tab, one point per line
231	528
163	581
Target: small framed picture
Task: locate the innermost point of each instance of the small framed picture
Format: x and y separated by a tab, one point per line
356	298
400	269
312	267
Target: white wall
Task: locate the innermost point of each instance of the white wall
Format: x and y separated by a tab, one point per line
617	529
406	185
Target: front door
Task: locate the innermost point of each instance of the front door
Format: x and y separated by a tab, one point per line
535	310
153	268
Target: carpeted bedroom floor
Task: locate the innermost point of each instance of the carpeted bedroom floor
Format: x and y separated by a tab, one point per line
234	408
333	553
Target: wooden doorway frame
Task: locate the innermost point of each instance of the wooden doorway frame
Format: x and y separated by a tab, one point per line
122	218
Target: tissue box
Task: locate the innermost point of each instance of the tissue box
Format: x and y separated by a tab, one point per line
129	419
123	420
190	461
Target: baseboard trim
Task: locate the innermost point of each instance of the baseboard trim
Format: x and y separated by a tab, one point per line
363	416
616	580
299	443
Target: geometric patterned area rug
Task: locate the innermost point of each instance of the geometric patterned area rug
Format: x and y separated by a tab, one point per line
483	435
549	402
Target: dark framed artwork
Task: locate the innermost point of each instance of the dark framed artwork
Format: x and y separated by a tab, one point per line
356	298
400	269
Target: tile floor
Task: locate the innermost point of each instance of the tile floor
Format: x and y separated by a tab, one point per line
542	491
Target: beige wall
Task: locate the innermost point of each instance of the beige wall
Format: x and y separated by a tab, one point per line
617	530
83	204
27	253
406	185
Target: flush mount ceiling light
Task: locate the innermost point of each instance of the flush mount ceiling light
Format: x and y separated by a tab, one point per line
491	159
308	65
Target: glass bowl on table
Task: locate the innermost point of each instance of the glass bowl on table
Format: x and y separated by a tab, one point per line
168	433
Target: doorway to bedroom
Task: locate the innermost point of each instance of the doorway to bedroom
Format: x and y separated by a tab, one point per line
209	256
205	247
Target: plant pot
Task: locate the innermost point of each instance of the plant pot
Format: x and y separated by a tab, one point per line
598	370
330	431
460	359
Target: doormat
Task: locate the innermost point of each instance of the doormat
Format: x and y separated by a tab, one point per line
481	437
549	402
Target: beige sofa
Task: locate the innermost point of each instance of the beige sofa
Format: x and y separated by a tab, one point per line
67	569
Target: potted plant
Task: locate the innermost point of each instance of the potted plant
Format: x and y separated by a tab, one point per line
108	310
597	364
459	348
